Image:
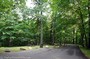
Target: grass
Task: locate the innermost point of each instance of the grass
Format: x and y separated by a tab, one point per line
17	49
85	51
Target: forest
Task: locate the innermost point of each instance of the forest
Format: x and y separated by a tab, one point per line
44	22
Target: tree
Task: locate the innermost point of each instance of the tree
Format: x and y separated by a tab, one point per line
89	22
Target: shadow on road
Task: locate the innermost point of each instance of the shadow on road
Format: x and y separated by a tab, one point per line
66	52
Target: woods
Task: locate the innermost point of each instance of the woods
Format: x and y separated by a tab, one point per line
52	22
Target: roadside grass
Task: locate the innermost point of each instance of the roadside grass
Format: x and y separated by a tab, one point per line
17	49
85	51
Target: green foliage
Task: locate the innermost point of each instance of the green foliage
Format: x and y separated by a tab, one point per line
59	21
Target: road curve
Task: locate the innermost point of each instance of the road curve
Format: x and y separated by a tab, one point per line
67	52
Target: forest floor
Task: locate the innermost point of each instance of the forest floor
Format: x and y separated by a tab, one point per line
67	52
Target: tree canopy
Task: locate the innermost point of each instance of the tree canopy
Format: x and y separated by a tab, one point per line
45	22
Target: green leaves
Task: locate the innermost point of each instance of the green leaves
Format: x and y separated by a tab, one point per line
59	18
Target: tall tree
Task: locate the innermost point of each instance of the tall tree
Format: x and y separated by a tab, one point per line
89	22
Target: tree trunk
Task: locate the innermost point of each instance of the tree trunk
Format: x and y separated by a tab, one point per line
41	38
8	42
52	33
82	29
39	3
76	37
73	40
38	31
89	23
73	36
86	41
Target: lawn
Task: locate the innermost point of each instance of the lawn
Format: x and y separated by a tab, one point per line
85	51
17	49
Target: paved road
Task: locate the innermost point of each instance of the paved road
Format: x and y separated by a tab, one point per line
67	52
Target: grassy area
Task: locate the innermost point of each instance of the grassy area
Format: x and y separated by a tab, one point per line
16	49
85	51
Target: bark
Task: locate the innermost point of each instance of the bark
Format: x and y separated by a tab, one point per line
73	37
52	33
41	24
41	29
76	37
41	38
8	42
73	40
38	30
89	23
82	29
86	41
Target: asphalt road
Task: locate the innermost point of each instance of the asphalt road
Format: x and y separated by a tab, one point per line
67	52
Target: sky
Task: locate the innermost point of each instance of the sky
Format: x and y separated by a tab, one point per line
30	4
